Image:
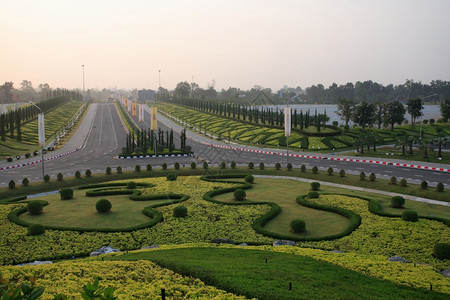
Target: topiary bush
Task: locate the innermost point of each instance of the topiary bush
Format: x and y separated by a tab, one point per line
148	167
77	174
397	202
298	226
393	180
59	177
176	166
12	184
313	195
66	193
315	186
341	173
108	171
131	185
424	185
261	166
441	251
137	168
164	166
289	167
239	195
223	165
25	182
362	176
180	212
440	187
193	165
315	170
233	164
372	177
330	171
251	165
403	182
119	170
35	207
36	229
103	206
171	177
205	165
303	168
88	173
46	178
249	179
277	166
410	216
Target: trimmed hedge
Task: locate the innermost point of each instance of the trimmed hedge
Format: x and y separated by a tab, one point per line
66	193
441	251
171	177
180	212
35	207
313	195
315	186
249	178
239	195
103	206
397	202
410	215
36	229
298	226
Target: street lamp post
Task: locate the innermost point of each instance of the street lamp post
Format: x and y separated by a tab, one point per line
83	83
41	131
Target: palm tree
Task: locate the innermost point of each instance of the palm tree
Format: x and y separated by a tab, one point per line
426	145
441	140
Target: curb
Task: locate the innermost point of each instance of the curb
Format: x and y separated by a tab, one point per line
153	155
37	161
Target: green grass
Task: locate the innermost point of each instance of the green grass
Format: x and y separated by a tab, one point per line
246	272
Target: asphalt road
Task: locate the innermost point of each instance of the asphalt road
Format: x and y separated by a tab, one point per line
101	137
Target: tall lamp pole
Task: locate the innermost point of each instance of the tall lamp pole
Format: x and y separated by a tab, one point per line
41	131
83	83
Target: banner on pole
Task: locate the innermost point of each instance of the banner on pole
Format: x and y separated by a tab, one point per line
41	130
125	103
287	121
141	112
153	121
133	110
129	106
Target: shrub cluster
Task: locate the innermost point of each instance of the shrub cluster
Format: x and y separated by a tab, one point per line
410	215
372	177
131	185
35	207
36	229
249	179
66	193
393	180
119	170
341	173
233	164
315	186
59	177
78	174
313	195
298	226
12	184
223	165
403	182
88	173
180	212
47	178
103	206
261	166
315	170
108	171
440	187
176	166
251	165
164	166
441	251
25	181
330	171
424	185
303	168
289	167
205	165
239	195
362	176
148	167
397	202
277	166
137	168
193	165
171	177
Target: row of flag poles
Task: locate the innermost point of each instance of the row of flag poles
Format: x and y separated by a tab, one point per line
138	110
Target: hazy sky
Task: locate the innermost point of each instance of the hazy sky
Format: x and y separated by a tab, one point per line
239	43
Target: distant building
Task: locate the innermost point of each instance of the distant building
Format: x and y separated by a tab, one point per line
146	95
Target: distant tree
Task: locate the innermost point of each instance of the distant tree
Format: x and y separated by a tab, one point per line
394	113
414	107
441	140
364	114
183	89
6	88
345	109
445	109
379	113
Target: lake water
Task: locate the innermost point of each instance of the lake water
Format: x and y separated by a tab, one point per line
429	111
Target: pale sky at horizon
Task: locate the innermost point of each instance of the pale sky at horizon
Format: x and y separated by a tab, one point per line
236	43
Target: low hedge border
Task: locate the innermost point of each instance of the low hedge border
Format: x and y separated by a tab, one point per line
258	224
16	199
148	211
113	184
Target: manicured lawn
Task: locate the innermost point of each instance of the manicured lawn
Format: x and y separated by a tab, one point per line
246	272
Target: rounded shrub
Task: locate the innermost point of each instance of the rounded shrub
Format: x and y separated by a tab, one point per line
180	212
233	164
298	226
171	177
277	166
289	167
223	165
66	193
315	170
261	166
9	159
59	177
442	251
313	195
362	176
12	184
164	166
341	173
410	215
397	202
440	187
103	206
193	165
137	168
251	165
108	171
78	174
88	173
46	178
249	179
303	168
239	195
372	177
119	170
393	180
424	185
403	182
35	208
315	186
176	166
330	171
36	229
148	167
205	165
131	185
25	181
